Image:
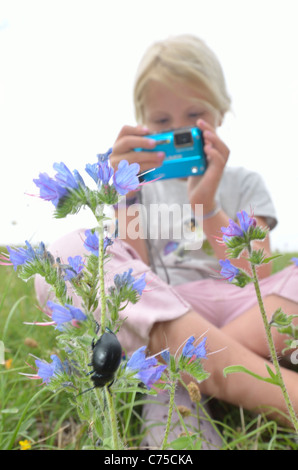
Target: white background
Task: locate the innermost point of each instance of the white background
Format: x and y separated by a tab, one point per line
66	75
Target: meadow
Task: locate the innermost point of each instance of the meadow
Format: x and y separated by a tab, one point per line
33	417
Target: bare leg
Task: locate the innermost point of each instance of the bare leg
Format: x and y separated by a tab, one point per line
238	389
248	329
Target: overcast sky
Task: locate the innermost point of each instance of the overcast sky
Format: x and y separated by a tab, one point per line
66	76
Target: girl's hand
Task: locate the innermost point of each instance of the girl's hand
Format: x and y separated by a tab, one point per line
202	189
129	138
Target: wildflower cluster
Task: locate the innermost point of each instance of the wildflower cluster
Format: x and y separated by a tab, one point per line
239	238
84	279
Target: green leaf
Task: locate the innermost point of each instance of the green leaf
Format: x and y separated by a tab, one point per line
242	279
232	369
271	373
191	442
194	368
281	319
270	258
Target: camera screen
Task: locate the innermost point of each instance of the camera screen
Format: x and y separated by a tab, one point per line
183	139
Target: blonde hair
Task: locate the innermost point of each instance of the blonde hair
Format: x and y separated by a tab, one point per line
184	58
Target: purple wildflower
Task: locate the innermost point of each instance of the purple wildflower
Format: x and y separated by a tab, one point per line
50	190
235	230
20	256
199	351
125	178
126	279
105	171
92	242
65	314
166	356
139	284
295	261
246	221
47	371
101	172
228	271
76	265
148	370
66	178
55	189
102	157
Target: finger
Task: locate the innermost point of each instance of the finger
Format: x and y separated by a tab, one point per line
216	160
148	160
130	142
204	126
211	139
133	130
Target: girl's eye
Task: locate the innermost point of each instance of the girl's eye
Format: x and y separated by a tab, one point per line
161	121
195	115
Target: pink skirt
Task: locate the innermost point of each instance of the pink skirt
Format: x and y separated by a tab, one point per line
216	300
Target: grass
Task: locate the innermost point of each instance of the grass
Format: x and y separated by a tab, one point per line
49	421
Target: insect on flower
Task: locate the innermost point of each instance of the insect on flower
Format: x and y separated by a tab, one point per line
106	358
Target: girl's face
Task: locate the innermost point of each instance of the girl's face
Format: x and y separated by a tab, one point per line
176	106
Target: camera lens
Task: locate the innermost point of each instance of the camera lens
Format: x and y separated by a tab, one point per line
183	138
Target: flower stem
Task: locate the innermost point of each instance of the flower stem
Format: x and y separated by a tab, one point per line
101	269
170	413
110	401
273	350
113	419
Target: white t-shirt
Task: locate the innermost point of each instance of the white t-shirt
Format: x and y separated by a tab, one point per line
179	251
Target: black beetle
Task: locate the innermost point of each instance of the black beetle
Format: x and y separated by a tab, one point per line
106	358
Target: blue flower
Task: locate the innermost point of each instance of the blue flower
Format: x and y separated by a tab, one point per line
235	230
66	178
148	370
228	271
125	178
47	371
199	351
105	172
50	190
68	313
246	221
55	189
92	170
76	265
102	157
124	279
295	261
139	284
21	256
92	242
127	280
166	356
101	172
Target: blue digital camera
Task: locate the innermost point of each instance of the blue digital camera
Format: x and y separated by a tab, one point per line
184	150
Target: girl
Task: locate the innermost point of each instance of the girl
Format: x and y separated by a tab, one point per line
180	83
